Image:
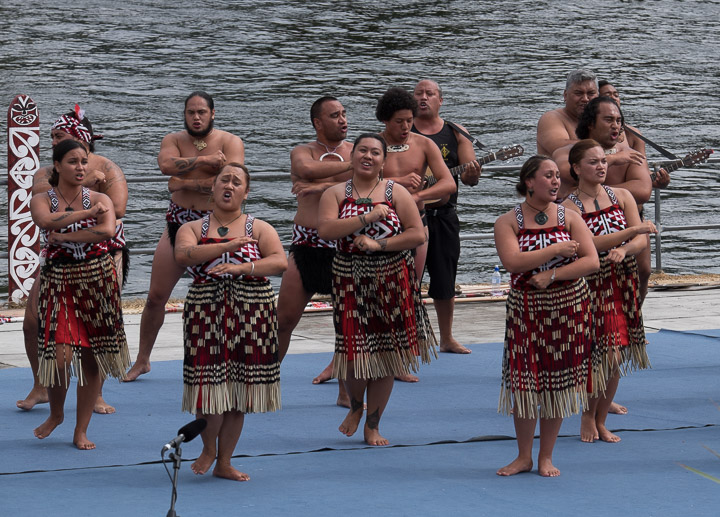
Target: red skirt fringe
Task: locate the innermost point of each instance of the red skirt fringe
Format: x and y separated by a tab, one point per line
618	324
381	325
79	305
547	360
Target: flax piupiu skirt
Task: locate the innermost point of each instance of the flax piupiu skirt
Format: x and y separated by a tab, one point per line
547	360
381	325
79	305
231	347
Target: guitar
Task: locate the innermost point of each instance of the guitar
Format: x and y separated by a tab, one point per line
695	157
503	154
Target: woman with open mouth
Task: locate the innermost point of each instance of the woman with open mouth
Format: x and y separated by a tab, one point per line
231	362
548	342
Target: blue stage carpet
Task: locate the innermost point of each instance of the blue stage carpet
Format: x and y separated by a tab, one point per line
448	441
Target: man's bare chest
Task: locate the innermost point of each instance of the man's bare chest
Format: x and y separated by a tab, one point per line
402	164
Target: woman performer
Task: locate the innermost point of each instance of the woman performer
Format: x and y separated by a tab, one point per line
230	327
102	176
80	317
381	326
548	346
619	235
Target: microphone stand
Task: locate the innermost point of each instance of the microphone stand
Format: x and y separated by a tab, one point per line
185	434
176	458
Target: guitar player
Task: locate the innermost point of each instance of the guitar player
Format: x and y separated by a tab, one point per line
443	224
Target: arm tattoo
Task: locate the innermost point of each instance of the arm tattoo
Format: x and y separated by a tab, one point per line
202	188
188	250
111	182
115	174
185	164
93	230
373	420
61	217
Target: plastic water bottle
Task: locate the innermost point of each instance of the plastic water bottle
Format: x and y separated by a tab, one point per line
495	289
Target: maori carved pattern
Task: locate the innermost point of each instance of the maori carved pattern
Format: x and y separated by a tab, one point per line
23	162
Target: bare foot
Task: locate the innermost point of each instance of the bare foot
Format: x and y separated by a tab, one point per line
516	467
103	407
607	436
48	426
81	441
324	376
352	419
407	378
453	347
136	371
373	437
37	395
203	463
617	409
588	430
547	469
228	472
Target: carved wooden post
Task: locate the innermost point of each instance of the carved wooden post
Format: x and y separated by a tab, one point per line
23	162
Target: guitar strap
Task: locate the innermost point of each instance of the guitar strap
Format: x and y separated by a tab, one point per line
477	143
657	147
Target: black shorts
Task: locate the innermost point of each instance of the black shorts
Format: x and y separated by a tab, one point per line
443	251
315	267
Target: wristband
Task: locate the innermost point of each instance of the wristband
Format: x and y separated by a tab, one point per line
252	268
362	219
552	278
383	243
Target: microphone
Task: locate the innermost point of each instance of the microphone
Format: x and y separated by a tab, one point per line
186	433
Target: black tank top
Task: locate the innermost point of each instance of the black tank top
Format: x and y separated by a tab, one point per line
448	144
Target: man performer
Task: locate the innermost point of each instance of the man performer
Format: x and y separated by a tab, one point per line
103	176
314	167
662	178
191	158
443	224
602	120
408	156
556	128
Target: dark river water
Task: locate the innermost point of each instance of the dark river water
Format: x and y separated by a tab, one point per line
501	65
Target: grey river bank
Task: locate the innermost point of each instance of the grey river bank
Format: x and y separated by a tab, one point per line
501	65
